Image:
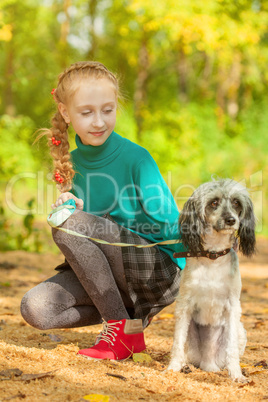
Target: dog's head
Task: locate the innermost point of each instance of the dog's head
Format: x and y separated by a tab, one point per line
223	206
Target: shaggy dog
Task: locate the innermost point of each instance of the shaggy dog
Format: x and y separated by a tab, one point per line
208	330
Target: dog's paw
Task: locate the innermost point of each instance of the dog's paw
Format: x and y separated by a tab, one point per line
237	376
241	378
175	366
209	366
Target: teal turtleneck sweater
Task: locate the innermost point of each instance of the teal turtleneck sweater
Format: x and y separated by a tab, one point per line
121	178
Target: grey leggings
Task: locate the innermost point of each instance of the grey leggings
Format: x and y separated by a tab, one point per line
93	289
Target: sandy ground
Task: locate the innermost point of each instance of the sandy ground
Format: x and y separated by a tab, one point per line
63	376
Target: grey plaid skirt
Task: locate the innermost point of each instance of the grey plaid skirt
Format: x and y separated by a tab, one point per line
153	278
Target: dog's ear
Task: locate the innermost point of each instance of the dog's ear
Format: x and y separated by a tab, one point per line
190	226
246	231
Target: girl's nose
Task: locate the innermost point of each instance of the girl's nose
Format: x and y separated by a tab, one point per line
98	120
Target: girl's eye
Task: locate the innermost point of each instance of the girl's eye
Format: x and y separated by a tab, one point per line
85	113
108	110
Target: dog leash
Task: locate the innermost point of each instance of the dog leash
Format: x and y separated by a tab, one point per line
60	214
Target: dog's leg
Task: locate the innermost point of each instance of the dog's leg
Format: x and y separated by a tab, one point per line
193	345
232	351
221	348
242	338
183	318
209	341
222	345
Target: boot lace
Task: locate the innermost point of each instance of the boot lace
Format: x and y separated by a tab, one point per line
108	333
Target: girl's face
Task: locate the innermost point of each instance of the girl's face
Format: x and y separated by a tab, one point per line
92	110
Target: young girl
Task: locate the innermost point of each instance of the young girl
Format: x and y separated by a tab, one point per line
120	197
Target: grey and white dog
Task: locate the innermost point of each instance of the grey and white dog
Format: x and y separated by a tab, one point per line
208	330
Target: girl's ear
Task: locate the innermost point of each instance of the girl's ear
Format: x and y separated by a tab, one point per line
64	112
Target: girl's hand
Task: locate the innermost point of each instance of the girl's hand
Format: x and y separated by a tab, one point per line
67	196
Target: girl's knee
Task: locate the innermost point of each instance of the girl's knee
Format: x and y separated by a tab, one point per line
34	310
80	222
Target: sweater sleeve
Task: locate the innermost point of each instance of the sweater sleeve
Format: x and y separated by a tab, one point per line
156	200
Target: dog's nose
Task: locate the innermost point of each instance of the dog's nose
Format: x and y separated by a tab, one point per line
230	221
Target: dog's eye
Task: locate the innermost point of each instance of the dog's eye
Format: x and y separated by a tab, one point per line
214	203
236	203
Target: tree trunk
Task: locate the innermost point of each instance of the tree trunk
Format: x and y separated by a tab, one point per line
140	94
228	88
93	38
8	98
64	31
182	67
206	75
234	85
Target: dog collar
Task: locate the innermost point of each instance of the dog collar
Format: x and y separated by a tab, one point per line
212	255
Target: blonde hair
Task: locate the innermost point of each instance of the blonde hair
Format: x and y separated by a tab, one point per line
58	133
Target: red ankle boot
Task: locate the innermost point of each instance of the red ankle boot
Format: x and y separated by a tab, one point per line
117	341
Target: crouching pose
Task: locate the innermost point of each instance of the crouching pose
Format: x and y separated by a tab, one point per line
208	330
120	197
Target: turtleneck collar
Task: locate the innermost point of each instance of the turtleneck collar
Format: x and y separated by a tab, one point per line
97	156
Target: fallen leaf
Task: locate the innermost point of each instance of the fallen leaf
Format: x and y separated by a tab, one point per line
54	338
7	313
251	383
256	372
7	265
19	395
258	324
28	377
165	316
96	398
141	358
262	363
5	284
117	376
10	372
110	364
171	388
150	390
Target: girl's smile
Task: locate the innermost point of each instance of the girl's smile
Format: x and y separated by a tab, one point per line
92	110
98	134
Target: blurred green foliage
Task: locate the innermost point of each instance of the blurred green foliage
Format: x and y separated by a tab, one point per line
16	153
24	232
193	76
18	237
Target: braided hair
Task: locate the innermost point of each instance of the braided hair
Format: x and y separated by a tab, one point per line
58	133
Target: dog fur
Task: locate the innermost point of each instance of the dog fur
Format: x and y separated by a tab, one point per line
208	330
